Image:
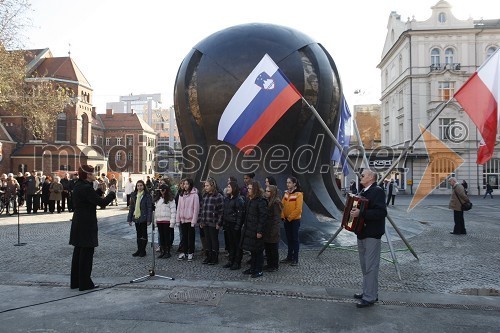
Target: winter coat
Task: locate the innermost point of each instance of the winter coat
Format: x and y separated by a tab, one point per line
31	185
255	220
458	191
84	223
165	211
234	212
188	208
272	228
146	207
292	206
211	210
55	190
46	192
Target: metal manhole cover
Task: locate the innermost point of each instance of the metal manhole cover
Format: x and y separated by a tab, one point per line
196	296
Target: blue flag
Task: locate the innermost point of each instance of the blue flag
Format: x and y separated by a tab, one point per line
343	136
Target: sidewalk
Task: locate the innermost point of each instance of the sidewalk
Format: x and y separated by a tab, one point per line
434	295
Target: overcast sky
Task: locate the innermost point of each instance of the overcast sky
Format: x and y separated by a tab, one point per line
125	47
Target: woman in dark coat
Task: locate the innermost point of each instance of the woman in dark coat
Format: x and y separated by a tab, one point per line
253	229
141	214
83	234
46	193
234	212
272	228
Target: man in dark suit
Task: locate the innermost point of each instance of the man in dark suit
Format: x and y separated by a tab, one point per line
369	239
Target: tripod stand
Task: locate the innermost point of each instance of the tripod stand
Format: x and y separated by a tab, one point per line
152	270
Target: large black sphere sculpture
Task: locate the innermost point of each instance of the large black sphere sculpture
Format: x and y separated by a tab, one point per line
297	145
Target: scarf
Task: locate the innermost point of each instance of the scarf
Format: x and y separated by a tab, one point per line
137	210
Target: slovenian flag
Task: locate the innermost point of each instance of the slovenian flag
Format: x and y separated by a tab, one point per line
343	136
258	104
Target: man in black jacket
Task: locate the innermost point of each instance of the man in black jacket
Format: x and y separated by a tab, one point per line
369	239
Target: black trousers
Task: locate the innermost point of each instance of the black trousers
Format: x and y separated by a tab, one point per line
233	244
141	230
52	206
166	235
272	254
212	238
65	199
188	233
257	261
32	203
458	217
81	268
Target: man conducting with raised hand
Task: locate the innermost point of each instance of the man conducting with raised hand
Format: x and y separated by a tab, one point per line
369	239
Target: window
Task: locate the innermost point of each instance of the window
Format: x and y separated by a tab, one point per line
446	90
119	156
442	17
61	127
491	173
448	56
118	141
444	124
490	51
108	141
130	140
129	156
435	59
107	154
95	139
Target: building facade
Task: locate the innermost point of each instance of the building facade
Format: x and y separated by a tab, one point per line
81	136
423	64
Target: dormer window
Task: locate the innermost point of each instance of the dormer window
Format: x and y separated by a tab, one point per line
442	17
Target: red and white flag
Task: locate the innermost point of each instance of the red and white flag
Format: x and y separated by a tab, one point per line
480	97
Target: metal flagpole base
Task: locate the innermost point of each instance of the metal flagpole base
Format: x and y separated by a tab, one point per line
20	244
18	231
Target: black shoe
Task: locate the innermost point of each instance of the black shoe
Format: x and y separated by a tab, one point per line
294	263
94	287
286	261
248	271
364	304
256	275
270	269
206	261
358	296
142	254
235	267
167	255
136	253
454	233
228	265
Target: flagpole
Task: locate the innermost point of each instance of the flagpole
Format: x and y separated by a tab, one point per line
330	134
410	146
341	149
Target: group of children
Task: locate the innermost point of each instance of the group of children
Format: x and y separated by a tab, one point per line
250	217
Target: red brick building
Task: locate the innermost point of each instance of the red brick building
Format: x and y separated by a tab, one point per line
80	136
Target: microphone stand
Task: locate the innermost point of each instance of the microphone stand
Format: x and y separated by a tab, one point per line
18	229
152	270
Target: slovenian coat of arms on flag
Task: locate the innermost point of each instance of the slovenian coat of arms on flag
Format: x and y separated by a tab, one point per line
263	98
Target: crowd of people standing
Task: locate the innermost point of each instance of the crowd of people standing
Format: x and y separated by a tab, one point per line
249	218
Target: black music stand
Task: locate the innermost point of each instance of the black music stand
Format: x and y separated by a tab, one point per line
152	270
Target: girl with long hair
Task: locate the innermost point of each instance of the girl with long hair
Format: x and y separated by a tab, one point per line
292	212
234	213
187	216
272	228
253	229
141	214
211	210
165	212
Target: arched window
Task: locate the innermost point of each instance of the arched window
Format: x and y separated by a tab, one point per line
61	127
490	51
448	56
84	130
442	17
435	57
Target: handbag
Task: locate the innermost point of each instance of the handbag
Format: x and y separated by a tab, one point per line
465	205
